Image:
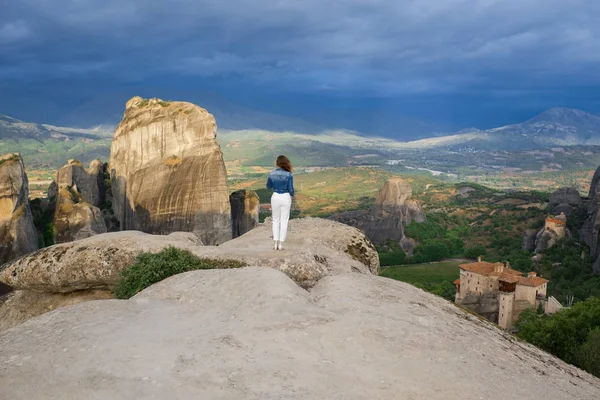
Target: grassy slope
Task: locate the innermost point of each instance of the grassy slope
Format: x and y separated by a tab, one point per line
424	273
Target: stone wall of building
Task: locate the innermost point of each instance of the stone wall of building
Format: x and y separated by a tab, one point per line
505	313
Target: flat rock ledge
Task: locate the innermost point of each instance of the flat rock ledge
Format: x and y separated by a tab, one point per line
253	333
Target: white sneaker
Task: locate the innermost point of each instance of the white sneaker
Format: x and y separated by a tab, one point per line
280	246
275	245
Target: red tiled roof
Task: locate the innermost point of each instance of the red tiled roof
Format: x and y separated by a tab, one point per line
509	278
457	282
533	281
488	269
507	275
480	267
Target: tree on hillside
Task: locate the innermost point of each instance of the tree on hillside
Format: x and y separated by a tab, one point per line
475	251
572	334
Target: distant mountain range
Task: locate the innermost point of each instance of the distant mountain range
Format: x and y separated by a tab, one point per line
12	128
554	127
48	146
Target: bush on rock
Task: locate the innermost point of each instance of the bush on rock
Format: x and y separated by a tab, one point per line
151	268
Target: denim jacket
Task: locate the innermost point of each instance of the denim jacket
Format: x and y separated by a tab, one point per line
281	181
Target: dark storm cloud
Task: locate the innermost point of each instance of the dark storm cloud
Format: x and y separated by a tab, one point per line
381	47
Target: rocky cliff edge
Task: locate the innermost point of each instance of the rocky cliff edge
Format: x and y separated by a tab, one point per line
253	333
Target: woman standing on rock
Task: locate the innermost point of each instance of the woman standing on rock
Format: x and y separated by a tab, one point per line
281	181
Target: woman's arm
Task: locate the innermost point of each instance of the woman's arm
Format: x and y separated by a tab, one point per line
291	185
269	182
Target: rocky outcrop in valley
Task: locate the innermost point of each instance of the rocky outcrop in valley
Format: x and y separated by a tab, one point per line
393	210
565	200
245	206
168	173
590	231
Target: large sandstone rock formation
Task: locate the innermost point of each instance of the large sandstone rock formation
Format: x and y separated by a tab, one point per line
252	333
75	219
564	200
17	232
168	173
88	183
245	206
590	231
393	210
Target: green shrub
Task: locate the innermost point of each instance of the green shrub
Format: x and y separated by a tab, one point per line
432	250
152	268
444	289
572	334
475	251
396	257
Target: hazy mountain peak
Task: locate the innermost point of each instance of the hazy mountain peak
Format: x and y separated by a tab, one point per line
6	118
564	116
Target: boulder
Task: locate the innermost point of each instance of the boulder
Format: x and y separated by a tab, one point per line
252	333
167	171
17	232
315	248
393	210
245	206
93	263
74	218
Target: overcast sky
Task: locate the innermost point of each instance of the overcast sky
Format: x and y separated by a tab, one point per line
494	59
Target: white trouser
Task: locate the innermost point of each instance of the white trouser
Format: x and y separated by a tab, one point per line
281	203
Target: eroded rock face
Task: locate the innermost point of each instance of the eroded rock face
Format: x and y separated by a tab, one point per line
88	183
529	239
591	227
77	197
168	173
17	232
315	248
565	201
252	333
245	206
93	263
393	210
75	219
568	196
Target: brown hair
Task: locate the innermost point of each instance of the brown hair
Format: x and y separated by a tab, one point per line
284	163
